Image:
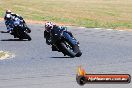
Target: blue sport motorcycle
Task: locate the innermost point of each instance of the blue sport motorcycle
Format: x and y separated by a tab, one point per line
63	41
19	31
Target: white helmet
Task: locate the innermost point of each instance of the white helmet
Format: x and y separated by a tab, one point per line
48	26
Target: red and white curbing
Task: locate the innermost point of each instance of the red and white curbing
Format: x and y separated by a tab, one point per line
109	29
102	28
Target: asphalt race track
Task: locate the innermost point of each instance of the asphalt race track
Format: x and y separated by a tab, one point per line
36	66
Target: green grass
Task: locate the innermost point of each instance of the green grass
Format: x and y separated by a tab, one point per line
88	13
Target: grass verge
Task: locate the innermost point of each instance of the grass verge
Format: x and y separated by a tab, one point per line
87	13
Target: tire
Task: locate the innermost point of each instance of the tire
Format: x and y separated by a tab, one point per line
63	48
27	37
77	50
74	52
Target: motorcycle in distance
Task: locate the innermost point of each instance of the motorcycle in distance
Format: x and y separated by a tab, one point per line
64	42
19	30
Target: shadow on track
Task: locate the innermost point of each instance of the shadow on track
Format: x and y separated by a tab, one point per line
60	57
13	40
4	32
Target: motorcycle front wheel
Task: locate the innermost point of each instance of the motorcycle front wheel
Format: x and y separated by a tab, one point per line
72	51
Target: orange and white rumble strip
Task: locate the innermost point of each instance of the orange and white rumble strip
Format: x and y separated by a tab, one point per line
82	78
